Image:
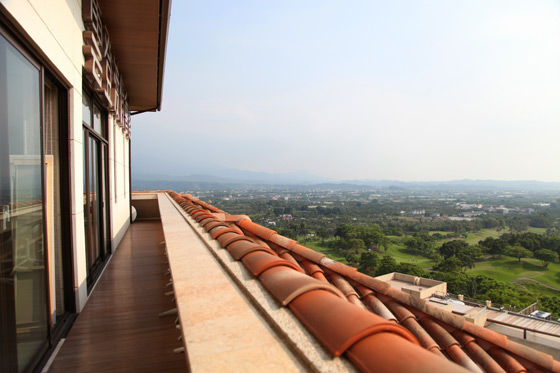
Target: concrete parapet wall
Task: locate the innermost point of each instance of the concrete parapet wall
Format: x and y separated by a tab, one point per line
146	206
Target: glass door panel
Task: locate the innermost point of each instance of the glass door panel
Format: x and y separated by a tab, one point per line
104	191
94	201
95	206
23	283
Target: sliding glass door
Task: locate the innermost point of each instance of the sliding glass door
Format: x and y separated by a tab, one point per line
23	288
96	216
36	277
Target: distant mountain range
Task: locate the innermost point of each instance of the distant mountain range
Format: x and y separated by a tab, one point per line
239	179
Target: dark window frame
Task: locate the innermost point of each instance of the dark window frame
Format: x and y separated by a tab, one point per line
20	41
102	157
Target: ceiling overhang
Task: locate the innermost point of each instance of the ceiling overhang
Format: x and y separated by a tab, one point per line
138	32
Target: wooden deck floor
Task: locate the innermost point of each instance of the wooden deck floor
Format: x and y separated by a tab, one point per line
119	329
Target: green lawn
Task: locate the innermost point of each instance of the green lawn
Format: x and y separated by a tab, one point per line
537	230
331	253
473	238
508	269
504	269
398	251
440	232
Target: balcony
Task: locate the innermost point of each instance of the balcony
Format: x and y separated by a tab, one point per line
245	298
119	329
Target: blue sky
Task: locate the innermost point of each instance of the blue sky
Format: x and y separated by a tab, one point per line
406	90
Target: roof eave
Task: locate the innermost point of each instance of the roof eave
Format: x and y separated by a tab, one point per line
165	15
140	59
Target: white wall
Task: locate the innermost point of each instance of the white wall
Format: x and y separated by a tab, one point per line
119	174
54	28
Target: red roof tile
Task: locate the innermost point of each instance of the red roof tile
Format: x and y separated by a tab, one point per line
398	332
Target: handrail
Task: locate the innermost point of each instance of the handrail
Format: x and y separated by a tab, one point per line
525	329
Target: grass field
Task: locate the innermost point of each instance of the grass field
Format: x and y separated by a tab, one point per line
508	269
473	238
505	269
331	253
440	232
398	251
537	230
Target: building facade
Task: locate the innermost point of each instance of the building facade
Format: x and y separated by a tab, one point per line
71	75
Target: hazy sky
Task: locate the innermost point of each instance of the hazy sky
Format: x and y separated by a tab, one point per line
407	90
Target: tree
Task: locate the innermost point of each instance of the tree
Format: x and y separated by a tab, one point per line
550	304
468	255
518	252
546	256
388	264
541	220
302	230
495	246
368	262
343	231
449	265
384	243
518	224
410	269
323	233
419	245
423	234
353	259
451	248
530	241
372	235
552	243
393	231
356	244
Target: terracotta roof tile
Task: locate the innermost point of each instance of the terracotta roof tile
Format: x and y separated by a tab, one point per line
259	261
323	294
321	312
313	270
377	353
376	305
215	224
256	229
228	238
409	321
449	343
286	255
241	248
286	284
483	359
508	362
215	232
350	293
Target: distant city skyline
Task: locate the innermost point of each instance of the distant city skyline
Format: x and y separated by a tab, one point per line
412	91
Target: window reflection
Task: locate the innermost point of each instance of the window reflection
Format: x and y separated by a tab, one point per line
22	244
86	109
97	120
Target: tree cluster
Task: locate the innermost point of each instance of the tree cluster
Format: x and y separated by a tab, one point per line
359	237
524	245
368	262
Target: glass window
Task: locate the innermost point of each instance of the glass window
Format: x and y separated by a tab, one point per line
97	119
21	204
93	115
86	109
